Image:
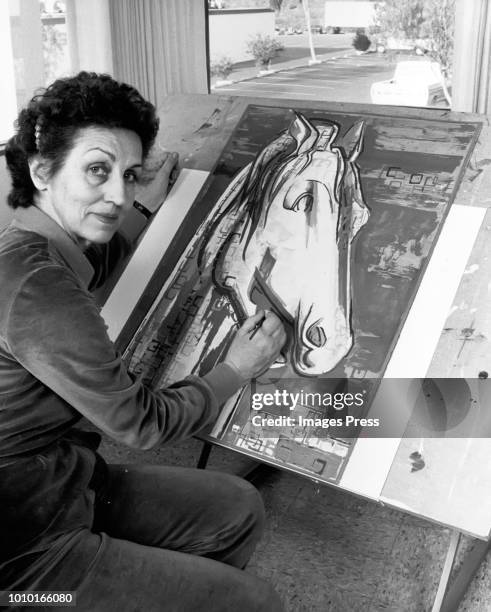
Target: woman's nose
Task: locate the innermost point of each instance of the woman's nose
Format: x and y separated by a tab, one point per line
115	190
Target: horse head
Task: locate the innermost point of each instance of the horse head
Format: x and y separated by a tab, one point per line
282	239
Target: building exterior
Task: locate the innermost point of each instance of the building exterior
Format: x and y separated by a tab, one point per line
230	29
349	13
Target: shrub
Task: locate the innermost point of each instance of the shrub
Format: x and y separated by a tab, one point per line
361	42
429	20
221	67
263	48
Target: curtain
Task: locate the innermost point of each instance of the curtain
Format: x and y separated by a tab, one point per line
159	46
89	35
472	67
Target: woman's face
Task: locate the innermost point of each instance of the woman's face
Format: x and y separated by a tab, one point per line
94	189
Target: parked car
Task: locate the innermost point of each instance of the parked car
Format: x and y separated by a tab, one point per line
415	83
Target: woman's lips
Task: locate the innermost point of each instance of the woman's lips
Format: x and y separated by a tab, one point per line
107	219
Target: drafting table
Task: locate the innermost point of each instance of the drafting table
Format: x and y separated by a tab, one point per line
450	320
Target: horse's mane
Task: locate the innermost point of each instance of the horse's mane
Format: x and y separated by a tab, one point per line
248	199
259	187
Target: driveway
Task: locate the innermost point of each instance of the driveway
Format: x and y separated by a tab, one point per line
343	79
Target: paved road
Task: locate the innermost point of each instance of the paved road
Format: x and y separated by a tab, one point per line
345	79
296	47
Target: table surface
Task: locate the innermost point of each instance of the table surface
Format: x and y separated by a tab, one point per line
453	489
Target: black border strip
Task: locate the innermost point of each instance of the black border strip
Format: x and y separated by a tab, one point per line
183	236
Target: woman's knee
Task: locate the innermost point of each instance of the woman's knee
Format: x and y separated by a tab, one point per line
242	521
248	504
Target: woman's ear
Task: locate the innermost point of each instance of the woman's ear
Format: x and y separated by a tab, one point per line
39	172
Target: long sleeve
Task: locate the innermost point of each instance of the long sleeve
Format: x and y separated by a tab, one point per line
55	332
109	260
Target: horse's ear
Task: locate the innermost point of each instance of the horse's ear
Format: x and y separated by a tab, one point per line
304	133
352	141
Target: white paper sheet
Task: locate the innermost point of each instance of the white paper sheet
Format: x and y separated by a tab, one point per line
372	458
149	252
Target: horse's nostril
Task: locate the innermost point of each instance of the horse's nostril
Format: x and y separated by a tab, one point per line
316	335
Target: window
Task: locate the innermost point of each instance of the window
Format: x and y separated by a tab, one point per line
34	47
393	52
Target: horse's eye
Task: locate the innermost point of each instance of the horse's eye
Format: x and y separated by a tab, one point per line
303	202
306	202
300	197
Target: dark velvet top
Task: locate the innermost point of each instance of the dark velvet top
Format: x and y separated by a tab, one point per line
58	364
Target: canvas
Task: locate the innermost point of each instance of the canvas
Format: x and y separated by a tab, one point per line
329	220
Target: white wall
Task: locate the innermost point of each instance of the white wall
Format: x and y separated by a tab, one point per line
349	14
230	30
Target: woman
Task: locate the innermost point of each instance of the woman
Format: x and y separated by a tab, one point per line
122	537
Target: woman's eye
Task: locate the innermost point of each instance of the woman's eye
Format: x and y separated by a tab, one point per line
99	171
130	177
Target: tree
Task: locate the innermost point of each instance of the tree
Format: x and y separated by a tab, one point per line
401	19
429	20
438	28
54	51
276	5
306	10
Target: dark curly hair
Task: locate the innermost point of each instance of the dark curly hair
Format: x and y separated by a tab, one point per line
49	124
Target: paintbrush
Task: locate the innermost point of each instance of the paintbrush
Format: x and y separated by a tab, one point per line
258	326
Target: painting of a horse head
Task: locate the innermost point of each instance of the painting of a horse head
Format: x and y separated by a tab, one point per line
282	239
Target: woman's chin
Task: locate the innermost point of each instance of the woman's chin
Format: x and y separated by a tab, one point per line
100	236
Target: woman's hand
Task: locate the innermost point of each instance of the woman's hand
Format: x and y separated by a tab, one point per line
257	344
159	173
